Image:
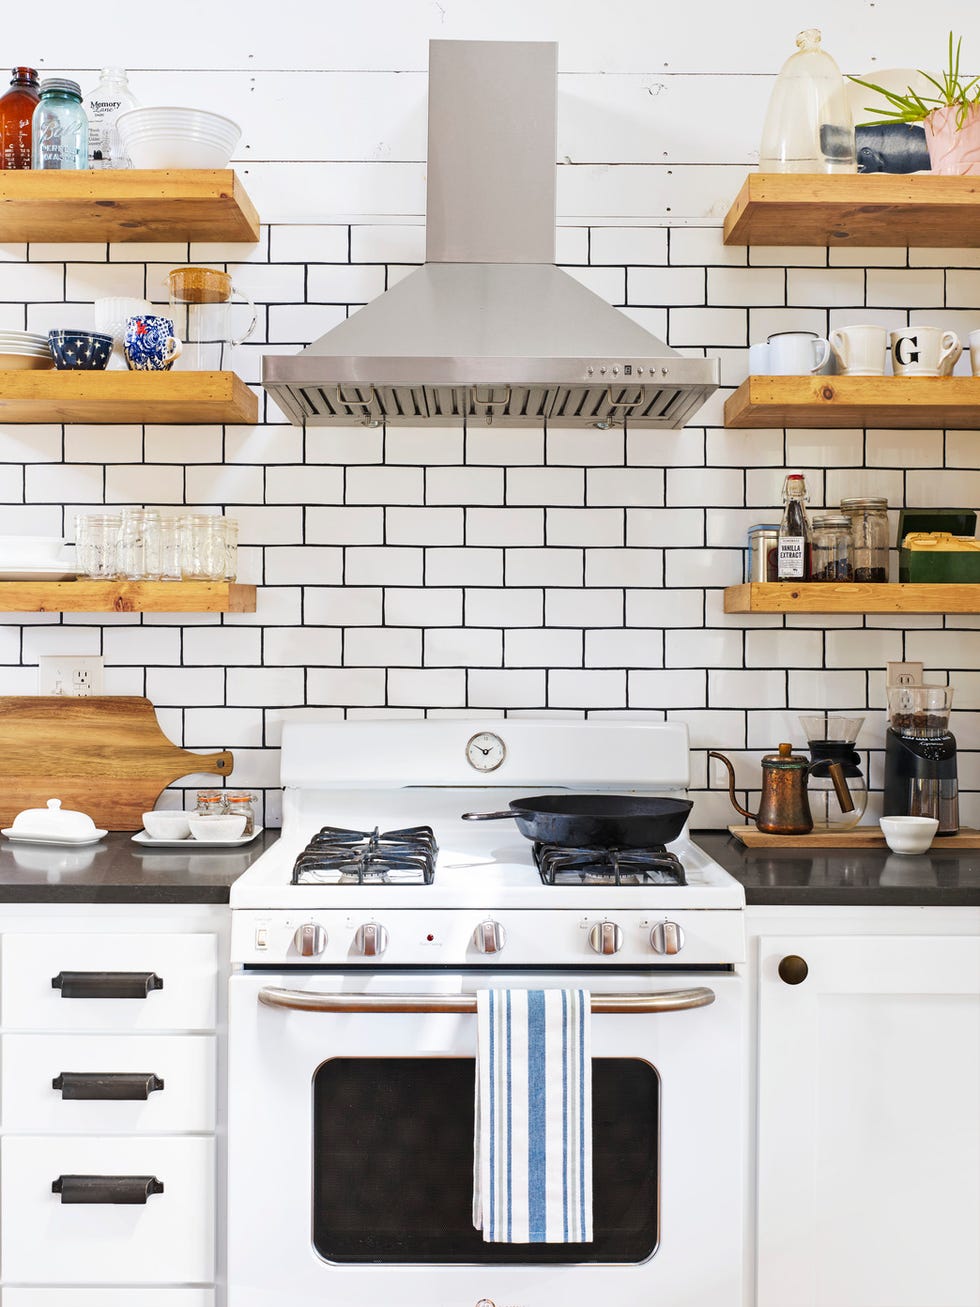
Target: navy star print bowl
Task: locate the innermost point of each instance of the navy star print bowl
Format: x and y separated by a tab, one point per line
79	349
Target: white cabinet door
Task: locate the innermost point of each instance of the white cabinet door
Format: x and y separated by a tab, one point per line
869	1123
168	1239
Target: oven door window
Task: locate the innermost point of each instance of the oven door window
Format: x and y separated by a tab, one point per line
393	1165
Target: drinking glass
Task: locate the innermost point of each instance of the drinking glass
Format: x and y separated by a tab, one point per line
96	544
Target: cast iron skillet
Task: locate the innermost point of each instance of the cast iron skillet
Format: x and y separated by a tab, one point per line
595	821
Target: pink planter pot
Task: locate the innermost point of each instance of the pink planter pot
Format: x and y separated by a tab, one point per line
953	151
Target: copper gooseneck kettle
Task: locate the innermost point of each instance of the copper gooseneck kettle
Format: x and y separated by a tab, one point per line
783	808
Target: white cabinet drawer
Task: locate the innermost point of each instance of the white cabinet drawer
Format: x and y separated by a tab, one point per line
175	975
168	1082
169	1239
107	1298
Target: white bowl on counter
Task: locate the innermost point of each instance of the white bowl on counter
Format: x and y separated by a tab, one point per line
218	828
167	825
908	834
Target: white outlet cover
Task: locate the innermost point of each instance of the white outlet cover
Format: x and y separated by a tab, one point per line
70	674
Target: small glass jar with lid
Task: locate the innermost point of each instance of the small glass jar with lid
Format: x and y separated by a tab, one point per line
241	803
869	538
210	803
831	545
59	127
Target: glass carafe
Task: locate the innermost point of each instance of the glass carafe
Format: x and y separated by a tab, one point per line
831	738
808	125
200	307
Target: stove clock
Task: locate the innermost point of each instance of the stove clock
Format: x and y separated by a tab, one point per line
485	751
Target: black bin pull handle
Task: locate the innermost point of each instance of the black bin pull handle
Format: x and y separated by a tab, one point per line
127	1189
115	1085
106	984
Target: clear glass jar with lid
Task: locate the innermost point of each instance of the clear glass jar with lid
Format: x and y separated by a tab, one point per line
808	125
831	545
241	803
869	537
59	128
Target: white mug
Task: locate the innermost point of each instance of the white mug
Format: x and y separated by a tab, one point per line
974	339
796	353
759	360
924	351
860	351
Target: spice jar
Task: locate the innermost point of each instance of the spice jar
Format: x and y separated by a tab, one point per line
210	803
760	559
869	537
240	804
832	548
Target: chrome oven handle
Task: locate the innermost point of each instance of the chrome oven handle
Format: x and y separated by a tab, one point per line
301	1000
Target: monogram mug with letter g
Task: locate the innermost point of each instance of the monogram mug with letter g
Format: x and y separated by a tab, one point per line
924	351
150	344
860	351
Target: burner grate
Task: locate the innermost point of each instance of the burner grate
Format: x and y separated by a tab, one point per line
336	856
558	865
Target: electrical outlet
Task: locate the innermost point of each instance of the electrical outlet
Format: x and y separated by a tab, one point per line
903	674
73	674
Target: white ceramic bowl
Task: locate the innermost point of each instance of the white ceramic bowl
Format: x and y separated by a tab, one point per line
164	137
31	550
166	825
217	829
908	834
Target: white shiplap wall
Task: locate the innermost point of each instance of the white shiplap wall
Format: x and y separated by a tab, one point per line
489	572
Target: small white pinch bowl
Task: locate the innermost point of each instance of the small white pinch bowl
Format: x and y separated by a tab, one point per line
908	834
166	825
217	829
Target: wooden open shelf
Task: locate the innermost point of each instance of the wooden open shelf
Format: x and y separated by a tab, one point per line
85	596
112	397
815	401
828	597
199	204
855	209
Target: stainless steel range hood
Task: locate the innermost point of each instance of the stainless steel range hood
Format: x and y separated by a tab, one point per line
489	329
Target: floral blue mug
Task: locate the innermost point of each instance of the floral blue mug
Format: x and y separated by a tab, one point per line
150	344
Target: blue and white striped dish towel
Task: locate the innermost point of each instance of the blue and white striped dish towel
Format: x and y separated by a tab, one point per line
532	1165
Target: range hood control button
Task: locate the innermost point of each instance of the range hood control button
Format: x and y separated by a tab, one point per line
489	937
605	937
370	940
310	940
667	937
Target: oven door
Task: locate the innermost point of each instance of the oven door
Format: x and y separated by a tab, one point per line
351	1146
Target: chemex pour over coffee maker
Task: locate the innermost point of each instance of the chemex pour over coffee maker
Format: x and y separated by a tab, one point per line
920	756
830	738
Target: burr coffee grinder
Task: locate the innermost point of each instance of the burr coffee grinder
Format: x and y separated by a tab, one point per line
920	756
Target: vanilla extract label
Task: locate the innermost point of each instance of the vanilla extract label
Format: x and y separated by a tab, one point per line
790	558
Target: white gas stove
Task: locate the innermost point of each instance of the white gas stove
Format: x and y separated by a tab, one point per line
480	900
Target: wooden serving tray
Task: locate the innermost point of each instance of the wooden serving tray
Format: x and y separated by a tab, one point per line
860	837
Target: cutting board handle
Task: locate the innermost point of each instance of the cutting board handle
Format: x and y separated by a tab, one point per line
219	763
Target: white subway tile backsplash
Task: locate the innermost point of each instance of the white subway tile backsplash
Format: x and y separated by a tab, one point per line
543	648
664	527
531	567
545	485
382	646
659	286
89	444
643	245
642	487
337	283
466	566
585	448
603	689
384	485
461	647
509	688
221	646
143	646
345	526
181	687
706	648
745	286
345	685
681	688
464	485
731	688
301	484
674	608
308	647
321	243
825	287
424	526
586	526
512	606
225	483
143	484
179	444
444	686
422	607
787	648
635	648
420	446
905	288
383	565
519	526
304	566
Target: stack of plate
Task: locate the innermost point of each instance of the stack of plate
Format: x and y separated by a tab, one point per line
24	349
177	137
35	558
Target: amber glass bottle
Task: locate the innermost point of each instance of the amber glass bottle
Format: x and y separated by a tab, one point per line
16	111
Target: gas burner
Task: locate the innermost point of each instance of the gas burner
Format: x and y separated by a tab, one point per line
352	857
653	866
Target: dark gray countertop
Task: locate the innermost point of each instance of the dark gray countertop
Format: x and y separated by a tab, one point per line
848	877
118	871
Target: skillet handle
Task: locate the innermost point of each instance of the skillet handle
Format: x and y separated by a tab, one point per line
486	816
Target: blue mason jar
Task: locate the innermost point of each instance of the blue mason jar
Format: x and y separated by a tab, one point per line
59	128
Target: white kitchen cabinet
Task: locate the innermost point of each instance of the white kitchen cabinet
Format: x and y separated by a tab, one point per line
94	1084
868	1108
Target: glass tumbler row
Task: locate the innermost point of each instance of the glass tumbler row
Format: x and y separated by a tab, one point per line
146	545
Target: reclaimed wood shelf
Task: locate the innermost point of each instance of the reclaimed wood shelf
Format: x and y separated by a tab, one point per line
815	401
126	204
88	596
855	209
850	597
111	397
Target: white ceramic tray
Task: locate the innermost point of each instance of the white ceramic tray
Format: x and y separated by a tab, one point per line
64	841
189	842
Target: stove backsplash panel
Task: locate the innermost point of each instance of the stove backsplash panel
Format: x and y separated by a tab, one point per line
494	573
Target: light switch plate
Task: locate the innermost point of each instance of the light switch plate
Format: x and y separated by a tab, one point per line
72	674
903	674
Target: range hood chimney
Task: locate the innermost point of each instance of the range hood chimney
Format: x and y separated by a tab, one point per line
488	328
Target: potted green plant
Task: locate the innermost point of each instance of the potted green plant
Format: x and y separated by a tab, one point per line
951	117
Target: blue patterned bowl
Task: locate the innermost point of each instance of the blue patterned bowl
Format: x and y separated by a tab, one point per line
89	350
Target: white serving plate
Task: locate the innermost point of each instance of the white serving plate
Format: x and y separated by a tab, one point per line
189	841
66	840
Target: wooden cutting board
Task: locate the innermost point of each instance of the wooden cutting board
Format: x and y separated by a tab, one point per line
104	755
860	837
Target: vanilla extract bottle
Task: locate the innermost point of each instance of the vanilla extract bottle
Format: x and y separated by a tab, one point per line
793	550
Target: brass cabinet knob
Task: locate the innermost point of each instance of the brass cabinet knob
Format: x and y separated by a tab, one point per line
793	969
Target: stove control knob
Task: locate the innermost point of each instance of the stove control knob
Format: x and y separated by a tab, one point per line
310	940
489	937
667	937
605	937
370	940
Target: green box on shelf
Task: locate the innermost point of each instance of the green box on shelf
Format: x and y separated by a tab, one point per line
925	566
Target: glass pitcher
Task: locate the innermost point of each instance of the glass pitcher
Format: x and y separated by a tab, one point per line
831	738
200	306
